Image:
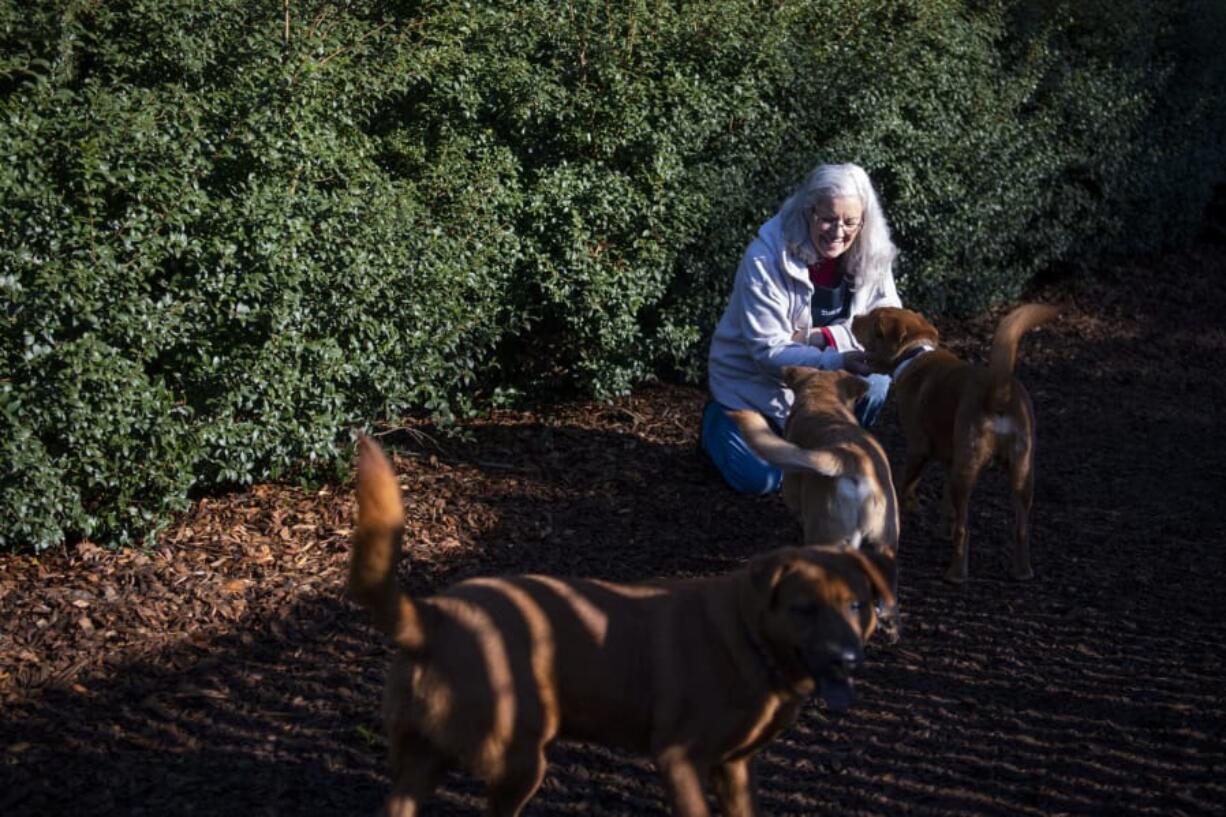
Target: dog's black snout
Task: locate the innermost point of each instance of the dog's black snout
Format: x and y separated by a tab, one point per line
846	658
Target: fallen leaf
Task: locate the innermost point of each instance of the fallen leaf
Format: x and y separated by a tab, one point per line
235	585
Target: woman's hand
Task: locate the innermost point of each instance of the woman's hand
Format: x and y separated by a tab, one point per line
814	338
856	362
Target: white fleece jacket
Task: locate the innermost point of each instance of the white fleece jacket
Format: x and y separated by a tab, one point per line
770	303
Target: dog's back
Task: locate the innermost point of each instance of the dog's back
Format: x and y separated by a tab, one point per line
499	629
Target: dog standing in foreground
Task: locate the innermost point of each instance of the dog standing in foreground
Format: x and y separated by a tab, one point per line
836	476
960	415
699	674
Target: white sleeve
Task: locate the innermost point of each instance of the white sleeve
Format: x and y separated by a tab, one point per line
766	325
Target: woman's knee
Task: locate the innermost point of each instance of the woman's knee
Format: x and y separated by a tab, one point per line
740	467
757	479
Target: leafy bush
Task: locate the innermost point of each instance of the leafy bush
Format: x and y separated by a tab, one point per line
230	232
214	266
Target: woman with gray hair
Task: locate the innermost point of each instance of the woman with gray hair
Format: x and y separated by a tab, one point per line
823	259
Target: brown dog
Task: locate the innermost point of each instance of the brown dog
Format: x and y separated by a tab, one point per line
960	415
699	674
836	479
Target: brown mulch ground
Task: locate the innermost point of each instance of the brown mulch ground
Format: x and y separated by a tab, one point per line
224	672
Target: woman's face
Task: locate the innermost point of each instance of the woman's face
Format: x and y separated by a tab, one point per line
835	223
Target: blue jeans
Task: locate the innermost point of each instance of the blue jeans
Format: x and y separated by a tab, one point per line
868	408
741	467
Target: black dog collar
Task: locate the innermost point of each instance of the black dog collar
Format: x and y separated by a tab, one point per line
906	359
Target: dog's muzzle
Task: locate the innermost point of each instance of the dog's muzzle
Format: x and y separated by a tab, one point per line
833	668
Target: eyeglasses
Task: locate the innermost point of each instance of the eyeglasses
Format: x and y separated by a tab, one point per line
828	223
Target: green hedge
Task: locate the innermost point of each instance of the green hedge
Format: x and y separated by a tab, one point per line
231	231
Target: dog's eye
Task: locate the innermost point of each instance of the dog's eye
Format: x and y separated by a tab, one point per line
856	607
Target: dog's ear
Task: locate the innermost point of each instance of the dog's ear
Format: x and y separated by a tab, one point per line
794	376
885	325
851	389
923	327
768	569
862	325
880	566
893	329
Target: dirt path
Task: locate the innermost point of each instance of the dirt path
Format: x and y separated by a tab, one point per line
225	673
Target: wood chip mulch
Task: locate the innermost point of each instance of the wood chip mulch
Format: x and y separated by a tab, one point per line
224	671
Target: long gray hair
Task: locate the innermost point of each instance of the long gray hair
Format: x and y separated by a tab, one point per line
872	253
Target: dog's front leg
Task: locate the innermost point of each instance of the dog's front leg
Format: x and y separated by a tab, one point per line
683	783
416	768
735	788
913	469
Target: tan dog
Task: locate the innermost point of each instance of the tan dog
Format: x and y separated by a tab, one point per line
960	415
836	477
699	674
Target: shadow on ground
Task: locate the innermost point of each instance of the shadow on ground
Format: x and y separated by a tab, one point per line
1094	689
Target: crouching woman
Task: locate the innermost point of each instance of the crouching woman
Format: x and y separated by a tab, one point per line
823	259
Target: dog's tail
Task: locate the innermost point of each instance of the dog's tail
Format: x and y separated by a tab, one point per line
781	453
1009	333
376	548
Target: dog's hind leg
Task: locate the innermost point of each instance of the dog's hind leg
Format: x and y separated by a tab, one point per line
945	518
1021	480
519	781
735	788
963	473
913	469
416	767
683	783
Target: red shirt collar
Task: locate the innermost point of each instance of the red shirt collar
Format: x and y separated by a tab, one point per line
825	273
